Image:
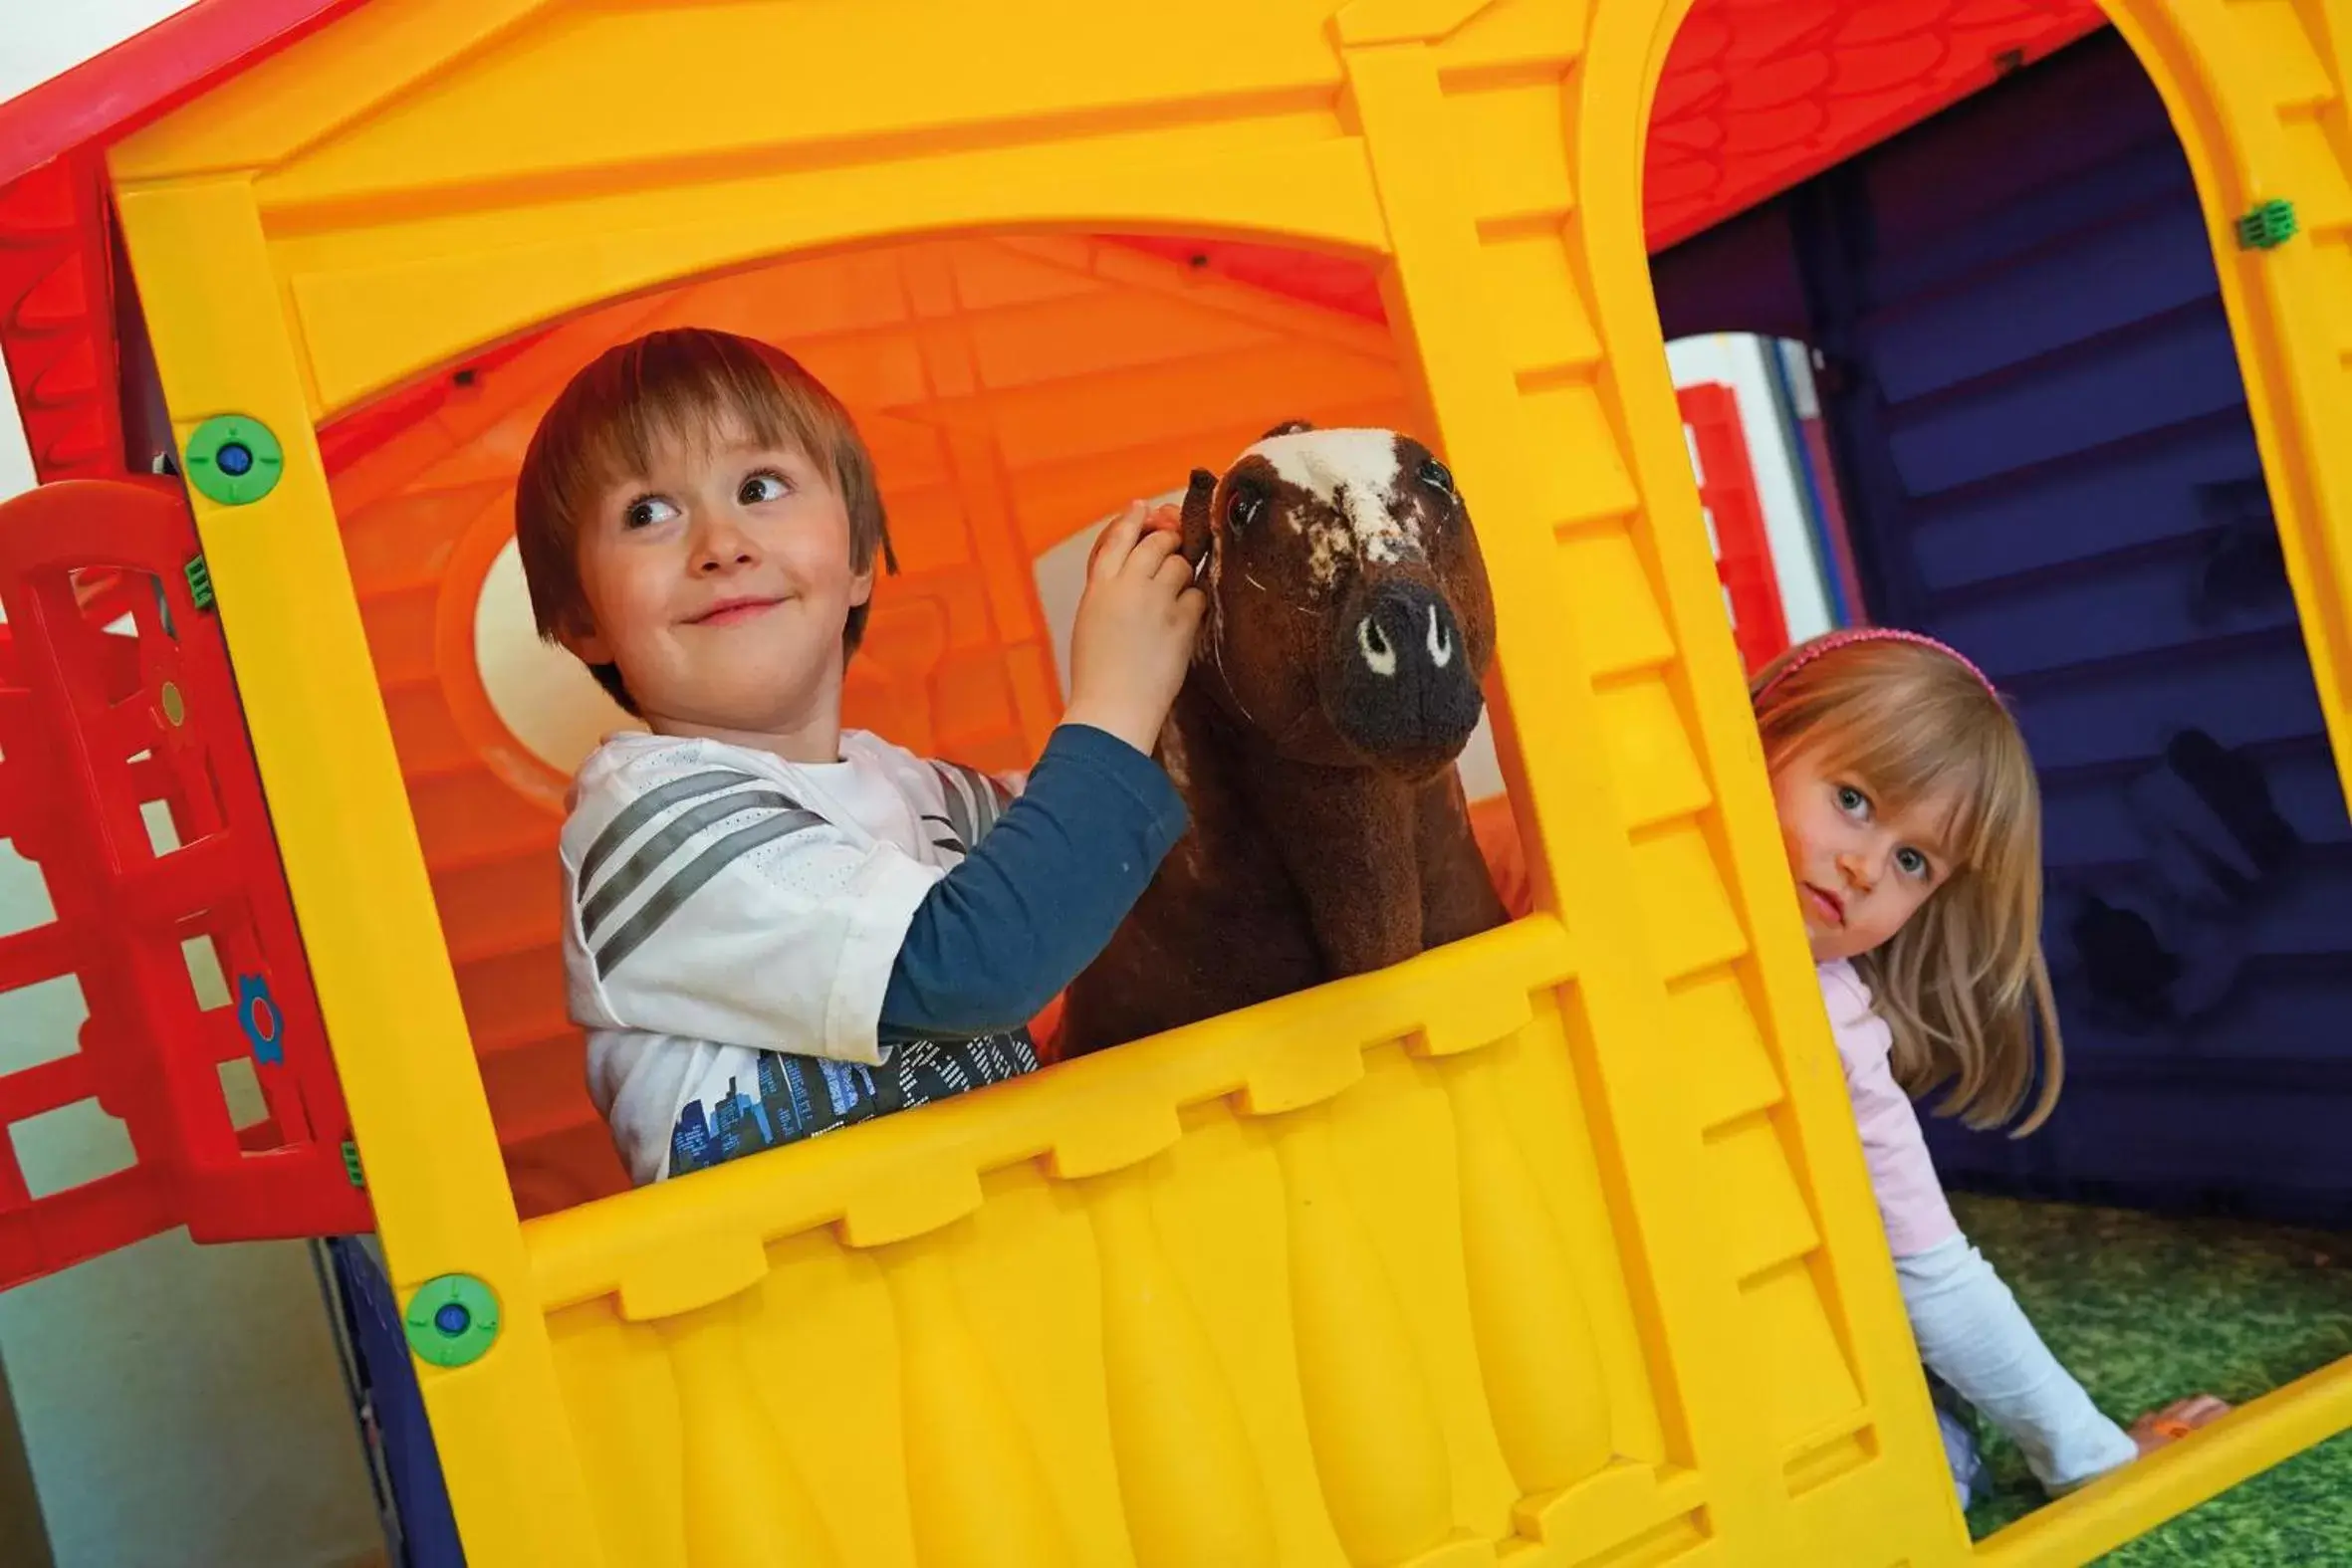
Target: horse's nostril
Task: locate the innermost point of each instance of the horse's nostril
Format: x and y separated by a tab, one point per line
1441	641
1379	657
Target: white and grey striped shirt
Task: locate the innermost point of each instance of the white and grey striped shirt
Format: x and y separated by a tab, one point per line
721	901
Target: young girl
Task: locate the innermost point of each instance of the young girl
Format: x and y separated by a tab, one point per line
1913	827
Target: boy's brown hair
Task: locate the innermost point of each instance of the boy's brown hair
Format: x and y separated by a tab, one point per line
676	383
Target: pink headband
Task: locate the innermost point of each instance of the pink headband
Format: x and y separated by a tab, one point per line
1847	638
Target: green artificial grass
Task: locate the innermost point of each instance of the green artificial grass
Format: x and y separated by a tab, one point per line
2146	1311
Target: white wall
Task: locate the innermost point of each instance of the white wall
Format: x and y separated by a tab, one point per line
179	1404
43	39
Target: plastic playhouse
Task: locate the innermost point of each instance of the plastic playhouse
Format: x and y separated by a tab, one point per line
1550	1248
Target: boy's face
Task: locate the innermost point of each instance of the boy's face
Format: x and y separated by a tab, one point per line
1861	871
720	583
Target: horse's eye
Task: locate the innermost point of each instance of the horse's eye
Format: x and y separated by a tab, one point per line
1246	507
1437	476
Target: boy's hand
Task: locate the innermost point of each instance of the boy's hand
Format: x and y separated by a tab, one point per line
1133	638
2176	1421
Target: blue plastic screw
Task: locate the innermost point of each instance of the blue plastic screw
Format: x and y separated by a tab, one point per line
233	460
257	1011
451	1320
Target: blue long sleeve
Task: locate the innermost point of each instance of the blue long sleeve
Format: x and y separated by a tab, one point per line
1038	898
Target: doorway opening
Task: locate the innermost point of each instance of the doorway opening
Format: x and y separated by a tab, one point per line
2034	411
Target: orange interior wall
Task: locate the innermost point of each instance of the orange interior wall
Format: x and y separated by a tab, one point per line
1012	390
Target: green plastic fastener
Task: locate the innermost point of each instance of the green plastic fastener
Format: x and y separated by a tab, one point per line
351	1163
200	578
234	460
452	1320
176	707
2267	227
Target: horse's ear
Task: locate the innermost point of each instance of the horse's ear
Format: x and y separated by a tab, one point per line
1197	535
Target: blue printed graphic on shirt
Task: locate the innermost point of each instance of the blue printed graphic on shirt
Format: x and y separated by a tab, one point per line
801	1097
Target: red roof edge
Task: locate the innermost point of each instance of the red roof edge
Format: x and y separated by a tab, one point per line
112	94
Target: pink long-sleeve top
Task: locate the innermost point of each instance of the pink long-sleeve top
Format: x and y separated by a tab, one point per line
1910	1197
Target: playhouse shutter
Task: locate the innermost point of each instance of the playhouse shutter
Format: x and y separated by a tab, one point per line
127	784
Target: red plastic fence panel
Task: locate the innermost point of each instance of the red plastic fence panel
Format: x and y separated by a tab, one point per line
1743	550
128	782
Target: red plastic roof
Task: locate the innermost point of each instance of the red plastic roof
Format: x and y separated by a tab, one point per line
1756	95
1760	94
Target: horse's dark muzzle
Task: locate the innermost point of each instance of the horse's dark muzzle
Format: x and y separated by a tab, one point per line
1397	679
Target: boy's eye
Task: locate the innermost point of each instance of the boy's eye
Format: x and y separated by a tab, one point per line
763	487
646	511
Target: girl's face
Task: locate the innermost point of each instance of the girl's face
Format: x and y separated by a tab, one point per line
1861	871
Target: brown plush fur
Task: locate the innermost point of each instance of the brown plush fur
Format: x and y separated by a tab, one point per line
1330	834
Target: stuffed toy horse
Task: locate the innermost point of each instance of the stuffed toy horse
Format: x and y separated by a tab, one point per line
1335	683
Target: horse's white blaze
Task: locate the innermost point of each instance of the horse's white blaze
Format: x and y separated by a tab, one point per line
1354	473
1441	646
1379	656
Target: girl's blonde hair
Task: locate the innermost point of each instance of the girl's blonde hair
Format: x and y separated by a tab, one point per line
1963	985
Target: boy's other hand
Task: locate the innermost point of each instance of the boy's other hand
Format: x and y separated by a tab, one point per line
1133	638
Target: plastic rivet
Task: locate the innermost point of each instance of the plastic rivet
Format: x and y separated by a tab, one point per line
234	460
451	1320
176	710
257	1014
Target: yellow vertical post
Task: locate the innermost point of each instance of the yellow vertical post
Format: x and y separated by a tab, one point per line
1579	850
223	345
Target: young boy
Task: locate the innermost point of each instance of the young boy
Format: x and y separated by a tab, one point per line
774	927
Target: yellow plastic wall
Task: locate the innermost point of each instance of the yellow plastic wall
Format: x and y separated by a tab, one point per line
1553	1247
